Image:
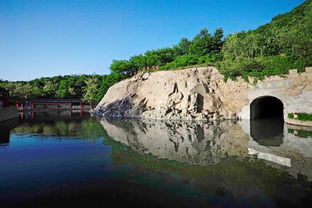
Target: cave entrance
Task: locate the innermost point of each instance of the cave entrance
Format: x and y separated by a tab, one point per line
267	122
266	107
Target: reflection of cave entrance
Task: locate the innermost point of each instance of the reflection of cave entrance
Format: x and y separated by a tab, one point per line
267	123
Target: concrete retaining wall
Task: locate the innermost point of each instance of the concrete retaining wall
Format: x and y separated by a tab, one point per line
294	90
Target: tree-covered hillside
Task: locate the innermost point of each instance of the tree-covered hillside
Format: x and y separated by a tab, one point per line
271	49
204	48
89	88
274	48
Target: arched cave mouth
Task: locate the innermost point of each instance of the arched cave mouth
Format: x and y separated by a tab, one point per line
266	107
267	122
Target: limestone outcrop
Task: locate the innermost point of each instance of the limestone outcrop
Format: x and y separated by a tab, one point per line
202	94
190	94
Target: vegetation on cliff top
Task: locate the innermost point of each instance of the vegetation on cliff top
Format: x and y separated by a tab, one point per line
271	49
274	48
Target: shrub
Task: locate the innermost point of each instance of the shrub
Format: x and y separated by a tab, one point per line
259	66
192	60
305	116
301	116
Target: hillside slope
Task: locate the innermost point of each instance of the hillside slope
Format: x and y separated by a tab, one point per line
273	48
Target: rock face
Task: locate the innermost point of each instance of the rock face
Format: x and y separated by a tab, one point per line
201	94
196	143
191	94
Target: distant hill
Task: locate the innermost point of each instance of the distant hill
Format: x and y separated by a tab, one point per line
288	36
89	88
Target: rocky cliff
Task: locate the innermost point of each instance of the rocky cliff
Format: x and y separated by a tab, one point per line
190	94
201	93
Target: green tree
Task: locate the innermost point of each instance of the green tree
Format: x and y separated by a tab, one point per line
159	57
202	44
217	40
122	67
182	48
90	91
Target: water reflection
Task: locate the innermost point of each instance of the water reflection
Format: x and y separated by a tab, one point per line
267	131
54	123
186	163
300	131
202	144
222	158
59	124
194	143
53	115
5	128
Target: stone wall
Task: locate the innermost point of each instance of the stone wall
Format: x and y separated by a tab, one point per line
294	90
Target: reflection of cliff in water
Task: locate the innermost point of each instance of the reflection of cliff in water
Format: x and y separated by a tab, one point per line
198	143
195	143
214	158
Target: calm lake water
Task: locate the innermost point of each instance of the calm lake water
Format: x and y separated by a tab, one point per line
69	159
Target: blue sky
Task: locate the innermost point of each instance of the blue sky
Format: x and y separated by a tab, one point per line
40	38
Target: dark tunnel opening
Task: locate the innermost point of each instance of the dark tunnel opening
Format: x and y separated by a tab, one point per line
266	107
267	122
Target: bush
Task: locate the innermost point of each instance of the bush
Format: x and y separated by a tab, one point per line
191	60
301	116
259	67
305	116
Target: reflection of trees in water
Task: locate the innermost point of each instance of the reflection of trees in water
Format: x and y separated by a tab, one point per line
86	128
54	115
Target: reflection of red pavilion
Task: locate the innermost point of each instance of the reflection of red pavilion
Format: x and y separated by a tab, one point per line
6	112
